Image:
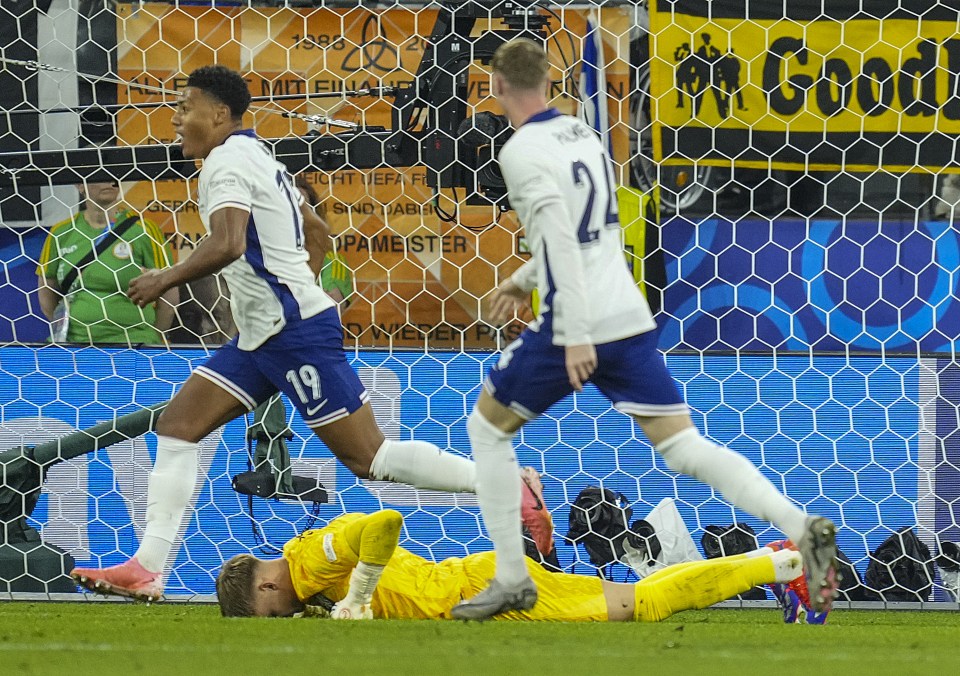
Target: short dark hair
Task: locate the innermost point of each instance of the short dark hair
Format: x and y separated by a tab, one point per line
223	84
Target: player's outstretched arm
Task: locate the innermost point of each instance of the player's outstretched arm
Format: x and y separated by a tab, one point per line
374	538
226	243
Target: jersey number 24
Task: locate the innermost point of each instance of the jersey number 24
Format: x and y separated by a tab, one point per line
588	231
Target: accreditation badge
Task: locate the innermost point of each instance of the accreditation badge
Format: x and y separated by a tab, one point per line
121	249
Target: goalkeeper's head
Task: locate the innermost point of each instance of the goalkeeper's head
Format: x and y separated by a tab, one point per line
251	587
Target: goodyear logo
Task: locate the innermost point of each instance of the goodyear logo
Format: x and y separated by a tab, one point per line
831	92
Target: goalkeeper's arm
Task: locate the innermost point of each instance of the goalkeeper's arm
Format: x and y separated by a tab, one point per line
373	538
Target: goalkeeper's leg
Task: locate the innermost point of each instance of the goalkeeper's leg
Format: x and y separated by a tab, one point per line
700	584
742	484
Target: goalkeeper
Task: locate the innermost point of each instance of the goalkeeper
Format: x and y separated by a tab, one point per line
356	563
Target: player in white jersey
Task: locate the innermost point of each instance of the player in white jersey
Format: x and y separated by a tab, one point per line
559	180
290	337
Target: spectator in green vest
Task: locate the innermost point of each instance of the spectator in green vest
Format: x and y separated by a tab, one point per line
335	277
95	309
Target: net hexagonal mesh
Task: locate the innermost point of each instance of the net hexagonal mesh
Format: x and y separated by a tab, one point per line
787	201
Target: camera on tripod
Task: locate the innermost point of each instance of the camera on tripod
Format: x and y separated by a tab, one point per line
460	150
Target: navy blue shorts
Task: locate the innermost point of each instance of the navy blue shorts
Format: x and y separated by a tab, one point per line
531	376
305	361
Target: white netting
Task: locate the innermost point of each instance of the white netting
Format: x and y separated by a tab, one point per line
803	262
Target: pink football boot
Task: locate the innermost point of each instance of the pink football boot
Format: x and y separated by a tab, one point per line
534	513
128	579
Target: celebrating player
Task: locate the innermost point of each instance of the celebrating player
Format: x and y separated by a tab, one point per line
290	337
356	563
559	180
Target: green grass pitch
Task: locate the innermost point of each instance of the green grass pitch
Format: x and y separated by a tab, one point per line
125	638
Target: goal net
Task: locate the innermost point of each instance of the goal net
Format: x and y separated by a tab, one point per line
787	203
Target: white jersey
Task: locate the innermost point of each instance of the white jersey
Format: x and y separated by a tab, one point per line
559	180
272	283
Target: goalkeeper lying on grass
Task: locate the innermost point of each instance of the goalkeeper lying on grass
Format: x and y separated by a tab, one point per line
357	563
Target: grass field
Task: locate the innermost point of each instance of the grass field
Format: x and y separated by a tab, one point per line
121	638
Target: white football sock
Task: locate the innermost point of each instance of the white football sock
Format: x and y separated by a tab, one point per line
499	494
735	477
168	494
423	465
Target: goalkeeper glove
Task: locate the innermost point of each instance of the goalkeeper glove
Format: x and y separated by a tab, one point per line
348	611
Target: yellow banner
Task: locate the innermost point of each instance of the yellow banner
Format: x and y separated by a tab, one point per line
821	94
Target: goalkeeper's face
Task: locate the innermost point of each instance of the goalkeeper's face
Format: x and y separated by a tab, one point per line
273	602
251	587
272	590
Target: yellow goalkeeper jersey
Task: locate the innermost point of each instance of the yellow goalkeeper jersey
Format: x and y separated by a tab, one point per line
411	587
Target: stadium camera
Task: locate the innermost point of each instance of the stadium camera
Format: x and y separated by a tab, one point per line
461	151
482	136
516	14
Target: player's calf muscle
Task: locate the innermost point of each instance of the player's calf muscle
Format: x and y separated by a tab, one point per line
355	440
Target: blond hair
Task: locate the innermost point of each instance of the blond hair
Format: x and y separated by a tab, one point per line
235	586
522	63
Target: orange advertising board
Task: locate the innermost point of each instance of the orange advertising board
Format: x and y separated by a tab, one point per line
419	281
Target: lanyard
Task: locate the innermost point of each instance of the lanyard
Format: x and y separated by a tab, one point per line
106	231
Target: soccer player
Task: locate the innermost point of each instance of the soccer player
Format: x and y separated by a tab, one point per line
559	180
356	563
290	337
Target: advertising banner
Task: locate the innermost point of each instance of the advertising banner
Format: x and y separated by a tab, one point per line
806	85
822	285
838	434
419	280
